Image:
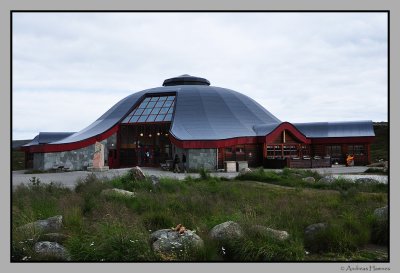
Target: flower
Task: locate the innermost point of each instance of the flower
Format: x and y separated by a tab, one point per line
92	244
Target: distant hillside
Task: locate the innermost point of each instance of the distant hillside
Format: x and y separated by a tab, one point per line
380	147
18	143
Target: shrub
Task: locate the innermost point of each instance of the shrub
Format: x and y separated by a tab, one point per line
342	236
379	231
204	174
257	247
111	242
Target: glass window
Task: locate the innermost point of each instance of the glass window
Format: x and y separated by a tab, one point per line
160	118
151	118
146	111
155	111
159	104
151	104
168	117
143	104
134	119
167	103
149	108
138	112
126	120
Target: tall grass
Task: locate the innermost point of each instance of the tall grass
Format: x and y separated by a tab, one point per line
101	228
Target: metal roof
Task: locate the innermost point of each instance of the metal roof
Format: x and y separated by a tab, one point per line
186	80
337	129
204	112
48	137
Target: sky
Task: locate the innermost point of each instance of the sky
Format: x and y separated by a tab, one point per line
70	68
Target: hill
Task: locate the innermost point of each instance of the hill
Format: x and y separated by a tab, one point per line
380	147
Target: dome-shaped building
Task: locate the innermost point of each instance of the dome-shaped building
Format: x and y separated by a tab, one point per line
210	125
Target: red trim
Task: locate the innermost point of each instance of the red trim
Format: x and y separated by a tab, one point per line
198	144
50	148
269	138
341	140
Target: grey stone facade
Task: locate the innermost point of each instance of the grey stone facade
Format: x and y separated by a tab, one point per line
202	158
78	159
198	158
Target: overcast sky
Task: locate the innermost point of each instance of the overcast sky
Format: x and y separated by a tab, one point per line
70	68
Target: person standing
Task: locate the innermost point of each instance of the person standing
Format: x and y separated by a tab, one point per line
184	162
176	164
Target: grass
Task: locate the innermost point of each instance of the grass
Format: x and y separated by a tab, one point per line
18	160
102	228
376	171
380	146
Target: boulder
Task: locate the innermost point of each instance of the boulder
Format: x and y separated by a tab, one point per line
245	170
311	238
327	180
280	235
118	192
137	173
366	180
226	231
51	250
54	237
169	244
309	179
155	180
48	225
381	213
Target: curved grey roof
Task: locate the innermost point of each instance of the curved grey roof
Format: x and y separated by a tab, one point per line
48	137
337	129
202	112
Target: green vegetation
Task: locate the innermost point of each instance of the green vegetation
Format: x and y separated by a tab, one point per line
380	147
293	178
112	228
376	171
18	160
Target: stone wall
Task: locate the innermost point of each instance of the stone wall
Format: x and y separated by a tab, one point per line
202	158
74	160
197	158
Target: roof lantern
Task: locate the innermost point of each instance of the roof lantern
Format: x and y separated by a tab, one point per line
185	79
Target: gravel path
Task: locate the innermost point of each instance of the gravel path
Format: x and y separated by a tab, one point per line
69	179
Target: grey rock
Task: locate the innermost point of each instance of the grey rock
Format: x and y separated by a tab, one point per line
226	231
245	170
52	250
312	230
155	180
309	179
366	180
118	192
274	233
137	173
381	213
54	237
48	225
327	180
168	244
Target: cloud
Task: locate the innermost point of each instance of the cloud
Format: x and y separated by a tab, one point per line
300	66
